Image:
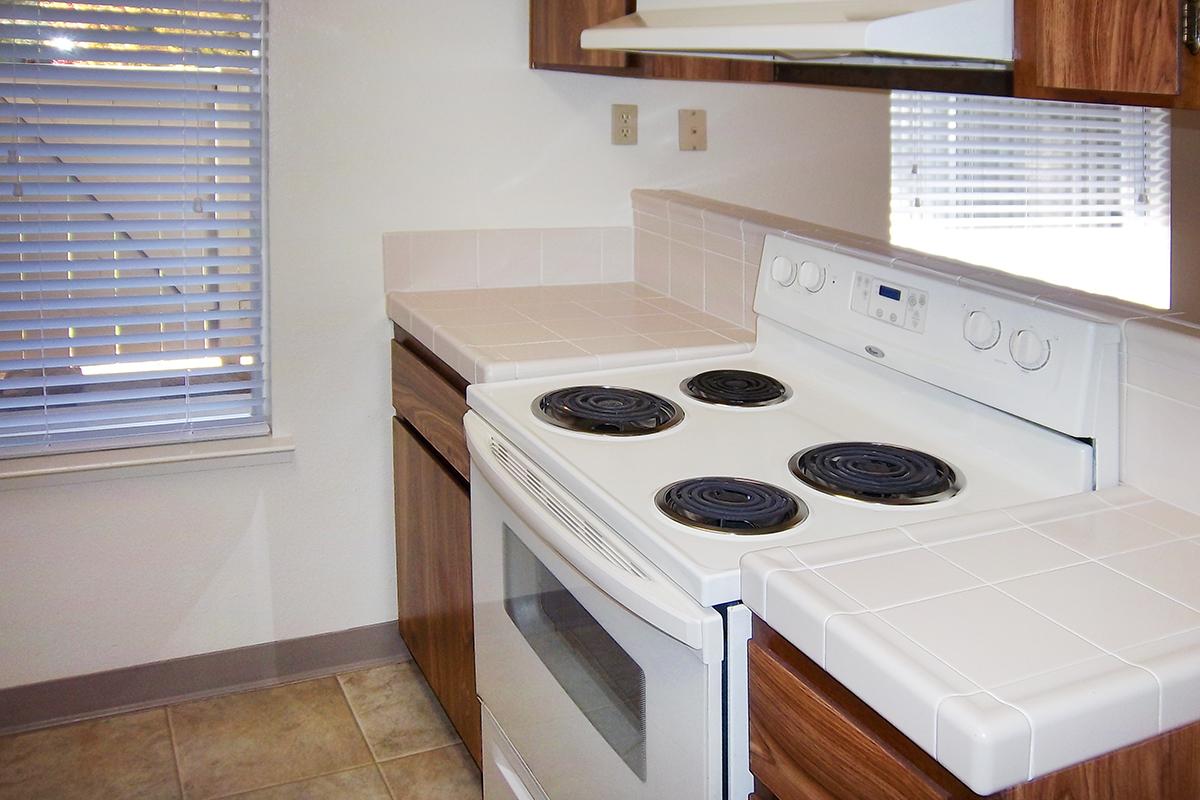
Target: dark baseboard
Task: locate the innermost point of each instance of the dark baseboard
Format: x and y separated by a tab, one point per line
38	705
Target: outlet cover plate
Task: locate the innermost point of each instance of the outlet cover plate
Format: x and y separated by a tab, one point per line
693	129
624	124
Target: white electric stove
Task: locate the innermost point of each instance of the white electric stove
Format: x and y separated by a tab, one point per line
611	509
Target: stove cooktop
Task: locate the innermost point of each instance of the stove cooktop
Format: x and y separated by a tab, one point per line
996	463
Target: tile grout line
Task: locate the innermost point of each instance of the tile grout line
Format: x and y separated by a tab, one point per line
357	722
387	787
174	750
292	782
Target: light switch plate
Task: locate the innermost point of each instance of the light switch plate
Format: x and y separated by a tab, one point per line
693	129
624	124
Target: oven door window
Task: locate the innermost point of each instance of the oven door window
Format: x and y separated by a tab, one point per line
603	681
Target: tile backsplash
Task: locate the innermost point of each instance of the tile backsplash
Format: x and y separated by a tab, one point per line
705	253
471	259
1161	409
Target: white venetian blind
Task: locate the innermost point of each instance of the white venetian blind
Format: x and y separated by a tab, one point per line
131	200
1070	193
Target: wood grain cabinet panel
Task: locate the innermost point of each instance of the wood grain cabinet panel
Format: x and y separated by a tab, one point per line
555	26
1115	46
1116	51
804	743
430	404
433	575
812	739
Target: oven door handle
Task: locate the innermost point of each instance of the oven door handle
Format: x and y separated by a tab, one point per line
589	545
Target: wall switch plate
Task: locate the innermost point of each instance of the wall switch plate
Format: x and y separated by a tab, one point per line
693	129
624	124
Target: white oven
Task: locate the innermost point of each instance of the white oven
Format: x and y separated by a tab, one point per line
599	677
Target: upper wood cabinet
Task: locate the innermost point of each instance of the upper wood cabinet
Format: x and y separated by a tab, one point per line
1092	51
554	29
1118	51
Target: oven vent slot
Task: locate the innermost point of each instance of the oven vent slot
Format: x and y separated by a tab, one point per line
583	531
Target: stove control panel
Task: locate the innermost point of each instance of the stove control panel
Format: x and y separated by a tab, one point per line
889	302
946	327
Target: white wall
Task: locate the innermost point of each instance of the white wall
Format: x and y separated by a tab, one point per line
384	116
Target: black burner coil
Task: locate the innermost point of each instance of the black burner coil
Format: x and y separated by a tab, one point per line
609	410
736	387
876	473
731	505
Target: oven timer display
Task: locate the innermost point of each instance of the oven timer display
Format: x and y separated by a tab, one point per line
901	306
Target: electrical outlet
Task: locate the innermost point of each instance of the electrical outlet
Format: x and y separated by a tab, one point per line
624	124
693	129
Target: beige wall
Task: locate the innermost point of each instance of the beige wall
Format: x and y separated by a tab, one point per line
1185	211
384	116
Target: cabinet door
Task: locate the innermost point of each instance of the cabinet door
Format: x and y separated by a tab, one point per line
555	26
1123	51
433	575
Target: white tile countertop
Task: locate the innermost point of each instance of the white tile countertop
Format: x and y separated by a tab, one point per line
506	333
1007	644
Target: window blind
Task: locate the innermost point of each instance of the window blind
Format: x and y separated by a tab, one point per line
131	211
1061	191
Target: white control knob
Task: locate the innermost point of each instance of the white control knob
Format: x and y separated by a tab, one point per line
812	276
1029	350
981	331
783	271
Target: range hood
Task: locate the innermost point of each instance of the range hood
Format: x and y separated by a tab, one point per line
929	32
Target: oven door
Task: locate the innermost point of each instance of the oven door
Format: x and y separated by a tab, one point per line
603	675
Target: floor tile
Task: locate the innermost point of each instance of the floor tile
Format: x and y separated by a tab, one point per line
397	711
252	740
447	774
127	756
364	783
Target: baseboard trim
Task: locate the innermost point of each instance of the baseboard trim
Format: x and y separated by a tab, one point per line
39	705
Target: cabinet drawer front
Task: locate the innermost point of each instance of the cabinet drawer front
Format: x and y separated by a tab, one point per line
431	405
802	745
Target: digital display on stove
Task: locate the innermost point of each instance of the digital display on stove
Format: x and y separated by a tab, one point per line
889	292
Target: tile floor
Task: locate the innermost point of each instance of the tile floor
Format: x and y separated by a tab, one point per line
377	734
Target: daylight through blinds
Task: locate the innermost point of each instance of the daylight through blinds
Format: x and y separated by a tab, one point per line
131	199
1067	192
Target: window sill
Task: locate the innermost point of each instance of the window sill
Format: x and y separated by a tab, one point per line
103	465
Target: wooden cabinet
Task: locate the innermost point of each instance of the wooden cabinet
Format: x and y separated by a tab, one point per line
1120	51
433	533
1117	51
812	739
554	29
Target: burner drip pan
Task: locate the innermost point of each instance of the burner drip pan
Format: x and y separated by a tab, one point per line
607	410
735	387
876	473
734	506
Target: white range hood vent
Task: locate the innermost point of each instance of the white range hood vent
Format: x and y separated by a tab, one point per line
971	32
